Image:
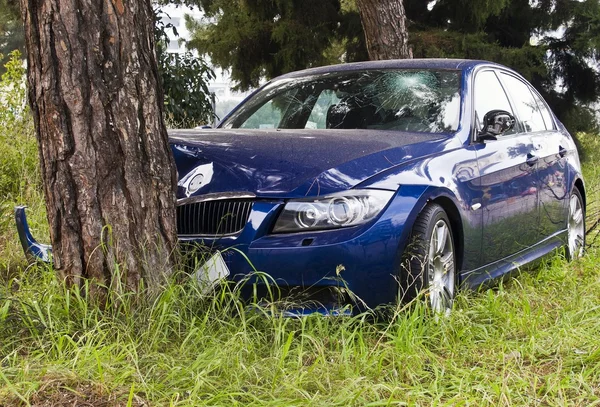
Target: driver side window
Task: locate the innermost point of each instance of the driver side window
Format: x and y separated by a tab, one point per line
489	95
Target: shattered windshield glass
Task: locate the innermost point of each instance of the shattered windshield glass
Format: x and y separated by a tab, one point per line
405	100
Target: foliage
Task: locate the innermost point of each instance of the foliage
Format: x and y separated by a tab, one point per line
185	77
560	61
258	39
589	151
18	157
553	43
12	36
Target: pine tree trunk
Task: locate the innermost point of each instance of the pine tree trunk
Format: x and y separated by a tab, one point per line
109	179
384	23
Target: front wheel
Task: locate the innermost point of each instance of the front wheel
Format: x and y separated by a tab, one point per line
429	261
575	226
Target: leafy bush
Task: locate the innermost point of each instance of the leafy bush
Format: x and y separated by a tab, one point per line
188	101
18	148
184	77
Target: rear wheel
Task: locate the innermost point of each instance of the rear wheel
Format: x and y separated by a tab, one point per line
575	226
429	262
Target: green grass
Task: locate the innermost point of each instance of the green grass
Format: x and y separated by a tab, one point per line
532	341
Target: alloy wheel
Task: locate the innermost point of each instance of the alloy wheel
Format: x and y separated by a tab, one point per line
441	268
576	227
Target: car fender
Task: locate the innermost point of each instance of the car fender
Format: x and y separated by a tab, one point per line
452	180
448	201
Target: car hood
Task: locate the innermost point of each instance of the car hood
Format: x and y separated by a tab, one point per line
289	163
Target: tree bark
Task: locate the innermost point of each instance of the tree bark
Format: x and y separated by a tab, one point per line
384	23
109	179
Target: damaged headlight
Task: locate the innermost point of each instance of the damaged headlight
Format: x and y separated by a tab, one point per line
349	208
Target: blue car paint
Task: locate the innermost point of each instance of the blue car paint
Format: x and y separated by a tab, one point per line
294	163
30	246
452	169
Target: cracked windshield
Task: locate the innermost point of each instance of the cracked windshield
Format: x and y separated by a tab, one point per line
404	100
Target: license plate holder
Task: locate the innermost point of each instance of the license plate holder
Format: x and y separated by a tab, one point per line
209	274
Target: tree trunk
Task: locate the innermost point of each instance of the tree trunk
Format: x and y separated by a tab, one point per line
109	179
384	23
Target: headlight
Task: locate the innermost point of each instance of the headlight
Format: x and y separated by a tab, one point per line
349	208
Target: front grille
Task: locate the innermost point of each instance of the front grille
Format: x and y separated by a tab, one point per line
213	218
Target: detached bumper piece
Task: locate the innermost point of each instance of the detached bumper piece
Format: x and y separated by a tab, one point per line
33	250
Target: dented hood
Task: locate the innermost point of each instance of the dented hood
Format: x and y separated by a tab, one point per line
289	163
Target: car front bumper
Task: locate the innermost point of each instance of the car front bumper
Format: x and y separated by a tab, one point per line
363	260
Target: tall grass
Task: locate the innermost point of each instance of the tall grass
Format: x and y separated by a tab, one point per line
531	341
534	340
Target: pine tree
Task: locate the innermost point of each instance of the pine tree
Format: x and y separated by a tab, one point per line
257	39
553	43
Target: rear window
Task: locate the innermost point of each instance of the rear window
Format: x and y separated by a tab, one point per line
403	100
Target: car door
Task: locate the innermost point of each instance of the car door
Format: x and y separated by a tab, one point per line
508	178
554	191
550	149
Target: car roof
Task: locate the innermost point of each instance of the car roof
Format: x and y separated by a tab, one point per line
425	63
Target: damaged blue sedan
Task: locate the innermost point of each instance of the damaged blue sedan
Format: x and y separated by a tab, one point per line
371	183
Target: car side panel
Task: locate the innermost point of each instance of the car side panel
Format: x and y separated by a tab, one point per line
509	185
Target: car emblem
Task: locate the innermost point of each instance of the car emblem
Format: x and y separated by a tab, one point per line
196	179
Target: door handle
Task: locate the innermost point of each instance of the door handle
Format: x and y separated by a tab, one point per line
531	159
562	151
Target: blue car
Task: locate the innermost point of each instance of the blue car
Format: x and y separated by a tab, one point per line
370	183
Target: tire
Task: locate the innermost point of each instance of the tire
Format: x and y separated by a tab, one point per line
429	261
575	226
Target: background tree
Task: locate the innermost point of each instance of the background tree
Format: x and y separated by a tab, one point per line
384	24
553	43
109	180
257	39
11	29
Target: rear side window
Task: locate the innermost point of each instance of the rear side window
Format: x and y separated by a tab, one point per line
528	110
489	95
545	112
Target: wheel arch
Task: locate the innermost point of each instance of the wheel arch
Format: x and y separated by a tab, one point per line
579	185
456	223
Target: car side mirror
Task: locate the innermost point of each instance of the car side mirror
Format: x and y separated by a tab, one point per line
496	123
